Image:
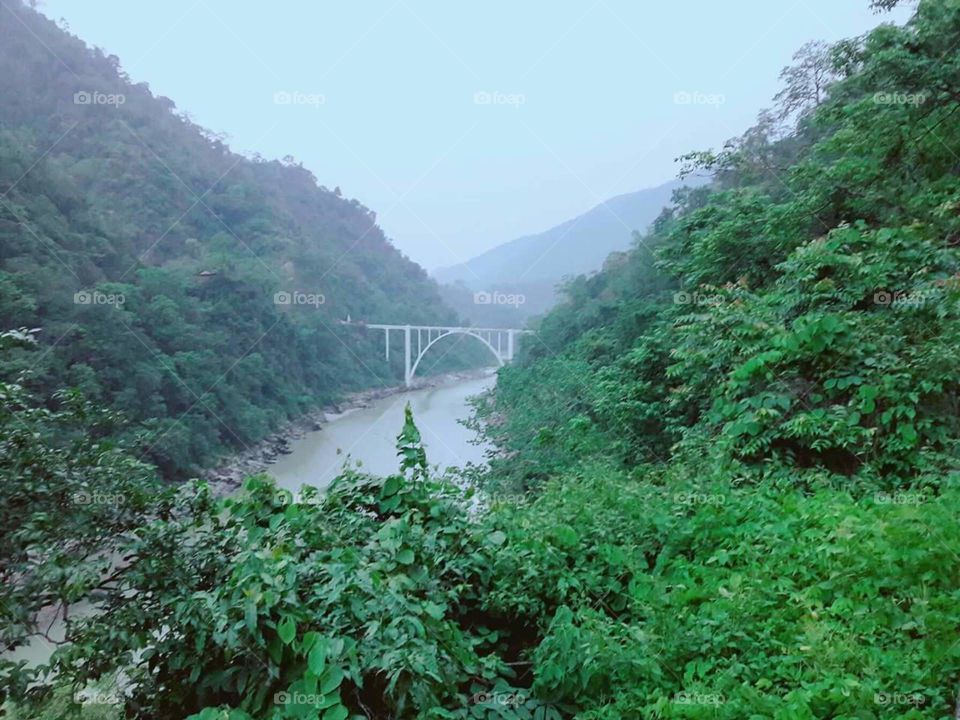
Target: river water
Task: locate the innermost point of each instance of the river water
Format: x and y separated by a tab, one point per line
368	436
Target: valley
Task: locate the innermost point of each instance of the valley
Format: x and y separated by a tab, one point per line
255	464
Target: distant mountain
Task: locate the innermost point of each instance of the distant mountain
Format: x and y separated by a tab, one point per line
531	266
573	247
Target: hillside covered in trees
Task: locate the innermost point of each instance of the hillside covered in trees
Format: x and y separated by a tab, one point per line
726	484
193	289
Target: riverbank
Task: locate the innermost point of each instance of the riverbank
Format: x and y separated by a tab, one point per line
228	476
365	425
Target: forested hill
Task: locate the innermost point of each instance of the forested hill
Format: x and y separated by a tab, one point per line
738	447
149	256
726	484
801	312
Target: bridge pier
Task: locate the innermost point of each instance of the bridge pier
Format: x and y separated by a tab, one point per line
407	375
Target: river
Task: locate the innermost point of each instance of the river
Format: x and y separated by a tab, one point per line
368	436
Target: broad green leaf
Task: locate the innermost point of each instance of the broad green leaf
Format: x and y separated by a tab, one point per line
331	679
390	486
336	713
287	630
317	658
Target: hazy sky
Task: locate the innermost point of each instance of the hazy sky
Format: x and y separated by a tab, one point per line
466	125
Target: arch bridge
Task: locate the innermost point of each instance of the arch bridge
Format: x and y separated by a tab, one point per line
499	341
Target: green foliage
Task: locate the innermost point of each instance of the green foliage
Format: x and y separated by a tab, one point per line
845	363
69	498
814	304
151	256
676	593
726	485
269	605
741	439
409	449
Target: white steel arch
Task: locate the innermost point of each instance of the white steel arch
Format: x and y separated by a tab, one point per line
499	341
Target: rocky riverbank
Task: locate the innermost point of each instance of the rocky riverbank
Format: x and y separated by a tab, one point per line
227	476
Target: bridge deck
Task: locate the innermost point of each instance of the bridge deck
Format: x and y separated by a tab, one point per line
458	328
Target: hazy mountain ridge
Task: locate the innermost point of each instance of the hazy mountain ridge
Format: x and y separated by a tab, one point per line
575	246
531	267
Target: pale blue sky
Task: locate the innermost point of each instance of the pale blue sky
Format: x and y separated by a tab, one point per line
399	127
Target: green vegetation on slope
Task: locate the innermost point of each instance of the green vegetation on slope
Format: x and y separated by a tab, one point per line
801	315
152	257
728	484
